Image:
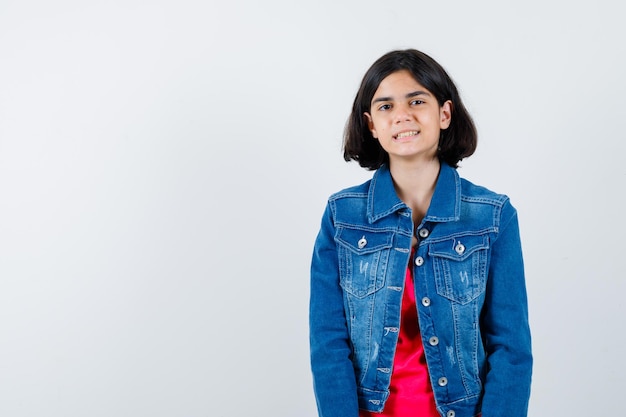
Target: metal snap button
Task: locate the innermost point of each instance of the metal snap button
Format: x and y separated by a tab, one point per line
419	261
434	341
443	381
450	413
459	248
423	233
362	242
425	301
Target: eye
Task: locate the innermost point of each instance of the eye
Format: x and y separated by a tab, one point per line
416	102
384	107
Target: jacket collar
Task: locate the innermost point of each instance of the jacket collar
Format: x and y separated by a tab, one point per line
445	204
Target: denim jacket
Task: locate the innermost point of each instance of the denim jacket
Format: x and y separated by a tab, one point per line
469	287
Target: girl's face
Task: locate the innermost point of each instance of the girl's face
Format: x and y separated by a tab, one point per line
406	118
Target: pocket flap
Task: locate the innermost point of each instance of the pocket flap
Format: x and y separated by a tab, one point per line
362	242
459	248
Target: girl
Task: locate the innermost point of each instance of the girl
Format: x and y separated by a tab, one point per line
418	302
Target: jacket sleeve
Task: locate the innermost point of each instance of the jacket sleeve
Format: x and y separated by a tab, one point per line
333	374
505	325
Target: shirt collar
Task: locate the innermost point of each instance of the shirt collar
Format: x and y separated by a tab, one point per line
445	204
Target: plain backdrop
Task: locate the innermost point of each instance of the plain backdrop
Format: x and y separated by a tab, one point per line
164	166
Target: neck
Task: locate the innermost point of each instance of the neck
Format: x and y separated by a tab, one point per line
415	185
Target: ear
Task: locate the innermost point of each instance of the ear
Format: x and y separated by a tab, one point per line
370	124
445	115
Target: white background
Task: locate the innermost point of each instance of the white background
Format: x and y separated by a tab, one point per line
164	166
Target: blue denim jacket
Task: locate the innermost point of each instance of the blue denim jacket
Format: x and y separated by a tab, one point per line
469	287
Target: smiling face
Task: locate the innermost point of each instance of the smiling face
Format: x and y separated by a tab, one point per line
406	118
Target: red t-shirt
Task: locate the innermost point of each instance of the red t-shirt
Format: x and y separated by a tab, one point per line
410	391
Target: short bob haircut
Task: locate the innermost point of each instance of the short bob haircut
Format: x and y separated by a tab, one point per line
457	141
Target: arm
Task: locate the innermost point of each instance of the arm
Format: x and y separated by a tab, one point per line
505	325
333	374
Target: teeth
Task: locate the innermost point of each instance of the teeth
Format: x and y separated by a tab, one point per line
405	134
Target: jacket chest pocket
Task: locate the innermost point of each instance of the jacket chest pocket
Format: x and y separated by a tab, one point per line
460	266
363	257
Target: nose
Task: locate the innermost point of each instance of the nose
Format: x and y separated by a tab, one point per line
401	114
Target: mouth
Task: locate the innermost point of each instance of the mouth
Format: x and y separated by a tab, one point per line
407	134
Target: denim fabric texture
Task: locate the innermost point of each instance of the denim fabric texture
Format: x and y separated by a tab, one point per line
469	287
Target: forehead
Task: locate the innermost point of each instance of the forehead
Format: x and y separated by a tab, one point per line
398	84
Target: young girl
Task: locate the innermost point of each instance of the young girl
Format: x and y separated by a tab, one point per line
418	302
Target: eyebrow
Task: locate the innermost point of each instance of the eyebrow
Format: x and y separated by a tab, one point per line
410	95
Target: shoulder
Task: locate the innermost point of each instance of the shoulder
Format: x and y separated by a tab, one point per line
496	203
349	205
355	191
471	192
380	180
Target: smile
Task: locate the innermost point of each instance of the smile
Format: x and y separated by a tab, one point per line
406	134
